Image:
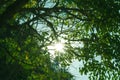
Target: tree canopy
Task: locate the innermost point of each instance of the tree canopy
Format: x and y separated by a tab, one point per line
90	29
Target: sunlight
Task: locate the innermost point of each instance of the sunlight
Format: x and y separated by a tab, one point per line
59	47
56	47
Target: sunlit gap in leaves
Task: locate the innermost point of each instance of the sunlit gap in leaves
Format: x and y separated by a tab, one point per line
56	47
77	44
59	47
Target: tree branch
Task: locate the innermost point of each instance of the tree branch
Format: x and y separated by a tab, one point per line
55	9
11	11
75	16
51	27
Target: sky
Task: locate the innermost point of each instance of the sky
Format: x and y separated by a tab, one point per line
74	70
75	65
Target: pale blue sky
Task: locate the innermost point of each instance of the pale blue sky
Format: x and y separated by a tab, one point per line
74	69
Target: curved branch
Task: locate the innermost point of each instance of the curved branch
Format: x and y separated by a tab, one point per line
75	16
11	11
51	27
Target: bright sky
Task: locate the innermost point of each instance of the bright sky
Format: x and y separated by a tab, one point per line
75	65
74	69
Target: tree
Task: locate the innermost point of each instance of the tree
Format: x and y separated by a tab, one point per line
28	27
21	46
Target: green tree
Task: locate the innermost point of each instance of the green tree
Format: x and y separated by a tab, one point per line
21	45
29	26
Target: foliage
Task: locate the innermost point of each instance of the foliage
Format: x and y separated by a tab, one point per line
29	26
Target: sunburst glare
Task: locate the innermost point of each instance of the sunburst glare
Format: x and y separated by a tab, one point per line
56	47
59	47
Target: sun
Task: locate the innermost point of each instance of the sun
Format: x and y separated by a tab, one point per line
55	48
59	46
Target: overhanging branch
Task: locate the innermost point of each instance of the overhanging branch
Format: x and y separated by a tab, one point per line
11	11
49	24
